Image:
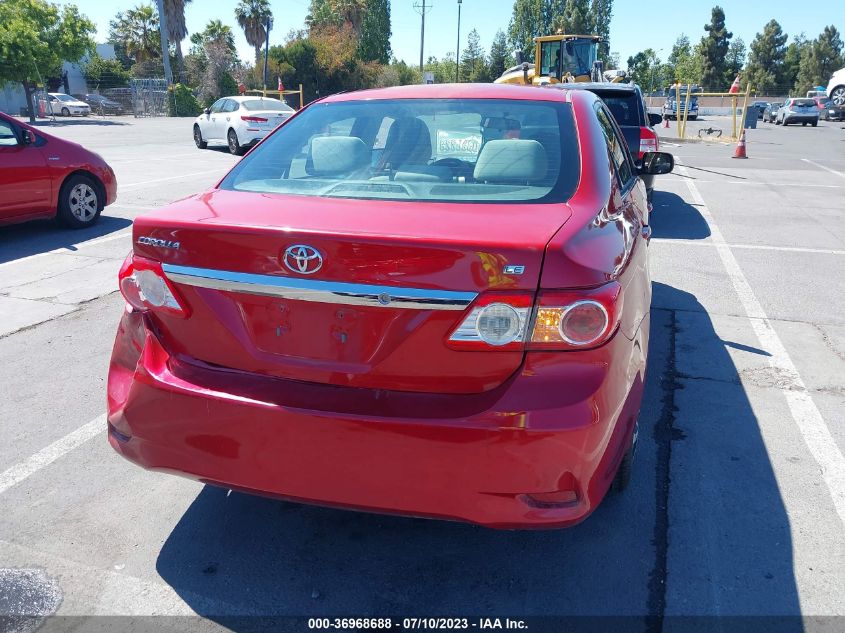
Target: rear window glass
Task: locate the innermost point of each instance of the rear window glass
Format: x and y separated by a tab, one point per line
625	108
804	102
467	150
266	104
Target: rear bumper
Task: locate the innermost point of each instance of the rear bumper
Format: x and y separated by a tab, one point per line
800	118
559	424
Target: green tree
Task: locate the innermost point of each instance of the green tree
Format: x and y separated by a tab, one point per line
766	60
35	37
576	18
214	31
174	11
442	69
791	63
500	57
474	67
375	32
136	32
601	12
644	68
819	61
714	47
252	15
101	73
735	60
527	22
684	63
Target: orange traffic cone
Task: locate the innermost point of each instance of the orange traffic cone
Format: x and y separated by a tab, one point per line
735	85
666	121
740	147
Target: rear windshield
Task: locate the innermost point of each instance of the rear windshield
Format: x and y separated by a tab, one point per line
625	108
266	104
804	102
467	150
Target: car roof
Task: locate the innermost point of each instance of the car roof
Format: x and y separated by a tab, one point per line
594	86
242	98
454	91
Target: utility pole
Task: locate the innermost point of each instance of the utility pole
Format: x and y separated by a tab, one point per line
422	9
165	46
458	48
267	26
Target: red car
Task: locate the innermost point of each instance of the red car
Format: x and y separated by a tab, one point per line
425	300
42	176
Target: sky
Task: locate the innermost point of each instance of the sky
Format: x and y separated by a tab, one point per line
636	24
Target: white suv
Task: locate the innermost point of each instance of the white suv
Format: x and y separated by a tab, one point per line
836	87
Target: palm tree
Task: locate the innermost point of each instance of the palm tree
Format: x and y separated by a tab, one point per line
252	15
215	32
137	30
174	11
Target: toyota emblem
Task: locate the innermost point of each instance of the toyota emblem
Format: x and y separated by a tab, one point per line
303	259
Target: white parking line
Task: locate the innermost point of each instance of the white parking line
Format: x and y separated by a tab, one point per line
207	172
832	171
46	456
66	249
804	412
756	247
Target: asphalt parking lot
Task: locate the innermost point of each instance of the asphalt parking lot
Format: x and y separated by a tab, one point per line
737	506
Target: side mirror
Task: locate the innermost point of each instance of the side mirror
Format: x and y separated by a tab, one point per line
654	119
28	137
656	163
207	110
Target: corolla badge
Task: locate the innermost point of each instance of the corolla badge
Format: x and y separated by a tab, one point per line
303	259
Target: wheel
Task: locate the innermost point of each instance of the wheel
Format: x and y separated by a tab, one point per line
803	124
65	112
198	138
234	145
815	123
777	122
79	202
693	117
838	95
623	474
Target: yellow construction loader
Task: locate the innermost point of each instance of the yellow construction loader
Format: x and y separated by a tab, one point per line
557	59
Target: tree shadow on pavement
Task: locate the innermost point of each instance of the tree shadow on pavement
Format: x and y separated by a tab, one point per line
673	217
233	555
41	236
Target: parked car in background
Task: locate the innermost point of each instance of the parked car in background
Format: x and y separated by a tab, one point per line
836	87
761	107
459	337
627	105
42	176
240	122
798	110
66	105
771	111
103	105
833	112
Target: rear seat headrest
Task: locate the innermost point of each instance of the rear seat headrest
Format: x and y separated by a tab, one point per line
336	155
511	161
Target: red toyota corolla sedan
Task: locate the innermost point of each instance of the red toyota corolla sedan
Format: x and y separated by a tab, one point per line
42	176
425	300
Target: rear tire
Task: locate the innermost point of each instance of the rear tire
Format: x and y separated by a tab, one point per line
201	144
234	145
80	202
65	112
815	123
804	124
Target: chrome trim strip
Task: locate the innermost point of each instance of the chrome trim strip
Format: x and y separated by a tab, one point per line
319	291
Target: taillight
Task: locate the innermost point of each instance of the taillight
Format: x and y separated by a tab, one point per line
560	320
145	287
254	119
495	321
648	141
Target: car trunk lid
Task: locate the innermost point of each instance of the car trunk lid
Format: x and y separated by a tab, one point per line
392	281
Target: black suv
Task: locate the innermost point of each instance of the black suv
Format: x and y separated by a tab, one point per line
627	105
